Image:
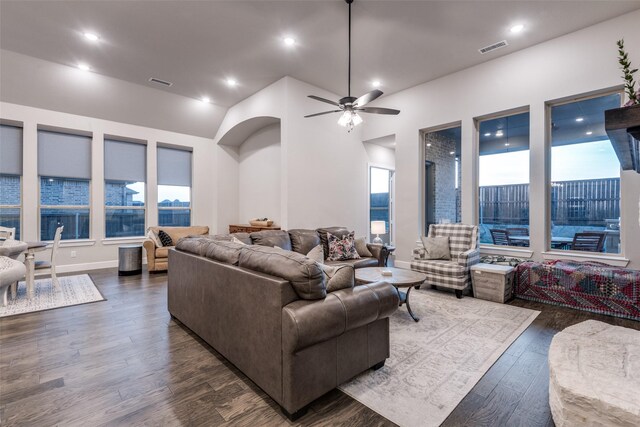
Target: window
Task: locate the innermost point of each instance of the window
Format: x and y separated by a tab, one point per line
504	180
64	167
442	176
174	187
381	200
125	175
585	177
10	177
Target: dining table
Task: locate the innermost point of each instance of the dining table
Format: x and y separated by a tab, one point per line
30	264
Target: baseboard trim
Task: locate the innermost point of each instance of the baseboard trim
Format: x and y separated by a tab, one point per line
402	264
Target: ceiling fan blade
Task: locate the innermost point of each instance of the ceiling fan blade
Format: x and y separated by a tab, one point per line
367	98
377	110
325	112
317	98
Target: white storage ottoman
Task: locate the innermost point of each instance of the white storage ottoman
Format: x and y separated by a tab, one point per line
492	282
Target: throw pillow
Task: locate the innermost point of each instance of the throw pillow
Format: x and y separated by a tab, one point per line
339	277
316	254
436	247
341	249
361	247
154	238
234	239
165	238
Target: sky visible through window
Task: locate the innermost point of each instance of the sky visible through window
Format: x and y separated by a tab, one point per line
589	160
173	192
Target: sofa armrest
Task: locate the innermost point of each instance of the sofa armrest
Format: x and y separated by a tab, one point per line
469	258
308	322
418	252
150	247
376	252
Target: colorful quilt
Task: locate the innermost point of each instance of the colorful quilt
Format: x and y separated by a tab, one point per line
589	286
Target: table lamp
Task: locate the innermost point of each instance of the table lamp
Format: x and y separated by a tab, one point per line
378	228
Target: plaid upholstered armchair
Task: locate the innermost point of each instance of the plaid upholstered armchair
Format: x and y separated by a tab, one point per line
453	274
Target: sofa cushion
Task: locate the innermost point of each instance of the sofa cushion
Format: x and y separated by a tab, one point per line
322	234
176	233
194	245
163	252
356	263
271	238
439	267
303	241
316	254
243	237
339	277
305	275
151	235
227	252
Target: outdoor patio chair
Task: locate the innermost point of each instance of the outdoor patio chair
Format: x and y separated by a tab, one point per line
500	237
592	241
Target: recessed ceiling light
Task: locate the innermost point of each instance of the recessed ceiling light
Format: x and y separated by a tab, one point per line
499	133
589	133
84	67
91	37
517	28
205	99
289	41
376	83
231	82
487	134
579	119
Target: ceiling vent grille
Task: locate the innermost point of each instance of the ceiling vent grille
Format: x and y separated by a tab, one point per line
494	46
160	82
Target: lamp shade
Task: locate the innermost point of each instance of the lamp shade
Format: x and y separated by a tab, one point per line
378	227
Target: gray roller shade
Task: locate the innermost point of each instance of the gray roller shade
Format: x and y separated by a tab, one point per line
64	155
174	167
125	161
10	150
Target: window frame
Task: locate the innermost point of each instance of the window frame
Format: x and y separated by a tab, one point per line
109	207
19	207
179	208
392	222
476	122
548	105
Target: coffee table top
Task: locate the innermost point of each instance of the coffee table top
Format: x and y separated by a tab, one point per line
399	278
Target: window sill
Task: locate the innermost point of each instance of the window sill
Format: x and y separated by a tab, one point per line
506	250
615	260
119	240
74	243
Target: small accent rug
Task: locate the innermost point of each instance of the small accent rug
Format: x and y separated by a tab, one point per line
73	290
435	362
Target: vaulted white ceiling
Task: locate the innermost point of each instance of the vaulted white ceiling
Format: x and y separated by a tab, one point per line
198	44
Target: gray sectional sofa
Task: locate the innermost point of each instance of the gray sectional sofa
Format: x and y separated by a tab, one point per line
268	312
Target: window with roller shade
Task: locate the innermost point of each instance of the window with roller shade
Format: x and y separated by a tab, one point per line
64	168
11	177
125	170
174	187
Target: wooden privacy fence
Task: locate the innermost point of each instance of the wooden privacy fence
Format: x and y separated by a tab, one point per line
585	202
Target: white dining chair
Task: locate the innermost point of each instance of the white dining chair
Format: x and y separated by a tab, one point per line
7	233
51	265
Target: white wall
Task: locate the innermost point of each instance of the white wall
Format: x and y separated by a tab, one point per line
574	64
98	252
259	175
380	156
37	83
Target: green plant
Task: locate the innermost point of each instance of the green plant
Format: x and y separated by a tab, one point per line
627	74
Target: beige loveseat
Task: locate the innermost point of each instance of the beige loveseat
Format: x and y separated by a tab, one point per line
158	256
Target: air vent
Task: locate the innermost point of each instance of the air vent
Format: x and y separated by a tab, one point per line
160	82
492	47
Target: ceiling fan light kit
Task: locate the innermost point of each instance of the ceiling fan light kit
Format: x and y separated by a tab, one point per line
349	106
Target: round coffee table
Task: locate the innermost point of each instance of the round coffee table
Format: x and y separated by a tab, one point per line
400	278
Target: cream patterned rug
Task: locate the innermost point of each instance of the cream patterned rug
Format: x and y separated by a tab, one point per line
435	362
73	290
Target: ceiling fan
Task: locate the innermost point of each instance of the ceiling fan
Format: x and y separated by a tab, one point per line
350	106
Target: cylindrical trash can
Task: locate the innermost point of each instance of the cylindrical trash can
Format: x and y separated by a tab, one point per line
129	260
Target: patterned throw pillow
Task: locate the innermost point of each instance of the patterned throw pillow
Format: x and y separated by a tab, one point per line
165	238
342	249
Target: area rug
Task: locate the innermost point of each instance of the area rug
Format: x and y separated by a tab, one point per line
435	362
73	290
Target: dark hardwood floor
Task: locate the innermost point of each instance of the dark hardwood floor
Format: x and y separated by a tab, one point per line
125	362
